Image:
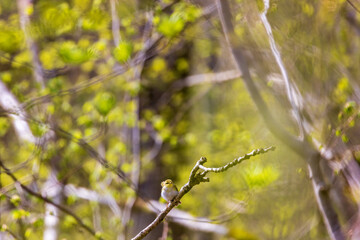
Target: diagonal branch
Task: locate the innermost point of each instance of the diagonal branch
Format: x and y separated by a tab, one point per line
9	102
49	201
302	148
291	90
195	179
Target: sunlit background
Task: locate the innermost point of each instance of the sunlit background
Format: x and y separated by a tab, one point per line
100	101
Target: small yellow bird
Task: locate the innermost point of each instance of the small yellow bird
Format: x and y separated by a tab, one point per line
169	191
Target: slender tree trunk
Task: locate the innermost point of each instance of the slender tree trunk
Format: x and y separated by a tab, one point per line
303	148
25	8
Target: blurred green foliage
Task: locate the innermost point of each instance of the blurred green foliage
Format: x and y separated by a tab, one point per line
69	52
123	51
12	38
104	103
267	197
4	126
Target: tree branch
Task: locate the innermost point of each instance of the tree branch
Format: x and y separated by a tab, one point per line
236	161
9	103
302	148
321	191
115	22
49	201
195	179
23	6
291	90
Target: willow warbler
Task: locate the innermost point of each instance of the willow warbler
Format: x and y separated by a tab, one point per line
169	191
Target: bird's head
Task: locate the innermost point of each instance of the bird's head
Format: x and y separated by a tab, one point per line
167	183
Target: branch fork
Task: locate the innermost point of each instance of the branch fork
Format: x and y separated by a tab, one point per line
196	178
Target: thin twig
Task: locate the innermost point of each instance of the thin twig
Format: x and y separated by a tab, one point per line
115	23
236	161
293	94
356	9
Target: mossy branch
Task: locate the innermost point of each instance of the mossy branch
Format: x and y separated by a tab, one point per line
196	178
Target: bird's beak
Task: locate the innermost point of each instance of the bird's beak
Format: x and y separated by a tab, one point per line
162	183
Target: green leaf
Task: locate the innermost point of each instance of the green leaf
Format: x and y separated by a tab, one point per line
344	138
20	214
12	39
123	51
126	167
171	26
55	19
257	176
15	199
133	88
158	65
95	20
104	103
3	228
4	126
84	120
38	223
71	199
28	232
189	12
70	53
69	221
342	90
260	5
158	122
6	77
98	235
38	129
55	84
349	107
182	65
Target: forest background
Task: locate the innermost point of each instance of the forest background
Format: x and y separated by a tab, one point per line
100	101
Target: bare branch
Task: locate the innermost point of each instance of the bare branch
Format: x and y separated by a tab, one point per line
195	178
49	201
353	5
9	102
236	161
115	22
321	191
291	90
